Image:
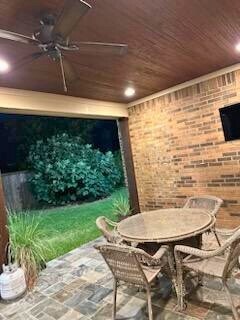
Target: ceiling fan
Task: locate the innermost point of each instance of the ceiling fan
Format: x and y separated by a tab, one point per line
52	38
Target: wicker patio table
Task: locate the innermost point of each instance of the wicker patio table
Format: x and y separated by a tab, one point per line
165	225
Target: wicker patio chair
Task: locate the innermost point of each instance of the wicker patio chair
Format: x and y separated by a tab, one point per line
126	264
220	263
209	203
108	229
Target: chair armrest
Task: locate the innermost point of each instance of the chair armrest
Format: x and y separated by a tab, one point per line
157	259
226	233
160	253
204	254
111	223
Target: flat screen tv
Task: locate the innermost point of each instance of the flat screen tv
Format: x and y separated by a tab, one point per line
230	117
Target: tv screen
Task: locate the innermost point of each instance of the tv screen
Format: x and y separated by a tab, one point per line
230	117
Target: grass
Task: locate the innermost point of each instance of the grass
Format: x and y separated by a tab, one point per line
68	227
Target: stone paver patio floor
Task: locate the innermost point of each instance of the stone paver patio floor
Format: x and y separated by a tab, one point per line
78	285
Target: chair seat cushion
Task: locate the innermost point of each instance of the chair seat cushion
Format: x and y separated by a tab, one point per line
212	266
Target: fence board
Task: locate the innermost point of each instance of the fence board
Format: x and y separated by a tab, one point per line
17	191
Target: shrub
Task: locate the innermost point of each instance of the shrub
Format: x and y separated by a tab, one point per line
27	246
66	171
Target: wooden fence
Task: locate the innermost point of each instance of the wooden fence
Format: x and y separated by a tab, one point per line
17	191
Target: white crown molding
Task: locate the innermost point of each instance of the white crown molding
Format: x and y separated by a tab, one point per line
186	84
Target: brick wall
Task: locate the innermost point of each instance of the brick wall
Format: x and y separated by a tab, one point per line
179	148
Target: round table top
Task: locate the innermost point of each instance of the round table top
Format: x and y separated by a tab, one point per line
165	225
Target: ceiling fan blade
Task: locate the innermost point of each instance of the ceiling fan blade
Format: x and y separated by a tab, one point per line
4	34
72	12
26	60
68	73
102	48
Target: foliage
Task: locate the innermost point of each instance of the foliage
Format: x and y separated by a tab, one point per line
22	131
121	206
28	247
66	228
66	171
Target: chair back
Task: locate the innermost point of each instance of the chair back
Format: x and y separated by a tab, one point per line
233	244
124	263
106	227
209	203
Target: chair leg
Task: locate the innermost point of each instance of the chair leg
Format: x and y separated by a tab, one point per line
234	309
180	297
149	301
171	271
217	238
114	299
180	288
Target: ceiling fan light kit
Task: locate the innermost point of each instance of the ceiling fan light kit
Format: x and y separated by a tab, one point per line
52	38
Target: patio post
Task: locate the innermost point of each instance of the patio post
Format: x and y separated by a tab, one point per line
3	226
126	149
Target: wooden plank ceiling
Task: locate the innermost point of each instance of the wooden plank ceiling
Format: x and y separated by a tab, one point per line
170	41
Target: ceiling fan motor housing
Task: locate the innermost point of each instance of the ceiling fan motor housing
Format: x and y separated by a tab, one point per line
45	34
48	20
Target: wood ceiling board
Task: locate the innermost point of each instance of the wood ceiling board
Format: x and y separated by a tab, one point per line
170	42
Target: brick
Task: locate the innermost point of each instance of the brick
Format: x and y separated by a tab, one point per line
179	149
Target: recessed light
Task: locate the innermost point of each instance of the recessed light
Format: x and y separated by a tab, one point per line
129	92
237	47
4	66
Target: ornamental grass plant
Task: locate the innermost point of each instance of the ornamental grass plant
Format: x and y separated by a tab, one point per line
28	247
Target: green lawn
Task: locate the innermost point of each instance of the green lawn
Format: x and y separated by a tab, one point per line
71	226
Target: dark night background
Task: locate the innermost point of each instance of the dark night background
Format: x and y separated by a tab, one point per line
18	132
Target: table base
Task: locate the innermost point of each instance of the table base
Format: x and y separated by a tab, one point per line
152	247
